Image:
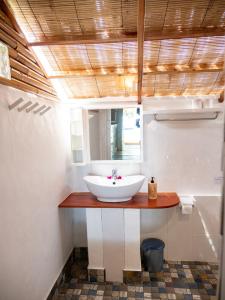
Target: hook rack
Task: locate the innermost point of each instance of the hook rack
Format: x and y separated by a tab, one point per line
29	106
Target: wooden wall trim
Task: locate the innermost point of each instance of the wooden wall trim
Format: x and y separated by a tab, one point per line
25	72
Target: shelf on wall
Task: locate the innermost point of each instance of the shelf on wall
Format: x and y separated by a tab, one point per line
182	111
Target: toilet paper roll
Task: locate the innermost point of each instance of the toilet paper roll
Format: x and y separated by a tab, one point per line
186	209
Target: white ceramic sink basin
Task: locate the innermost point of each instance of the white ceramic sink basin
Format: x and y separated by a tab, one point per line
110	190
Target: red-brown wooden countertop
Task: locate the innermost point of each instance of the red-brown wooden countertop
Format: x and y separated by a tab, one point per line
140	200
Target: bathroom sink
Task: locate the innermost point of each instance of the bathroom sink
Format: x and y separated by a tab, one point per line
110	190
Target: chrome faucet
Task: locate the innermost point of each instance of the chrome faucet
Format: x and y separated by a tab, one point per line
114	174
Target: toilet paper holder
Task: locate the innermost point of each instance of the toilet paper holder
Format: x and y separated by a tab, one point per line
187	202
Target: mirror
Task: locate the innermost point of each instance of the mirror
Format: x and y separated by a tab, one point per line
115	134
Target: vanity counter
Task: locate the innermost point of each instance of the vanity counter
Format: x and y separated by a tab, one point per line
140	200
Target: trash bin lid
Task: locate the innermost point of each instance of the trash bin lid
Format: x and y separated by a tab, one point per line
152	244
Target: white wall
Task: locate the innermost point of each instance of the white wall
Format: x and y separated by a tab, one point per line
184	157
36	236
194	237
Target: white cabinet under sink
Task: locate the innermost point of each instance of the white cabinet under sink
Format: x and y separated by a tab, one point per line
113	241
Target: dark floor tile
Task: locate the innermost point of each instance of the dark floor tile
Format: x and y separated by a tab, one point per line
181	280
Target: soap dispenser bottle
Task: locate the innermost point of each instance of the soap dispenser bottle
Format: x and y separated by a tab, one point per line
152	189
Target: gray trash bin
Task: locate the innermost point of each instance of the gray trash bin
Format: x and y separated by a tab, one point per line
152	254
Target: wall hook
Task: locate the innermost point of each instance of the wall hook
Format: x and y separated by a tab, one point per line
31	107
17	102
39	109
24	106
45	110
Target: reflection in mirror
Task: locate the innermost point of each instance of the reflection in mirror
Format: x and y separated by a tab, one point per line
115	134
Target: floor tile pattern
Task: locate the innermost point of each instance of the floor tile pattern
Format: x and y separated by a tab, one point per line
179	280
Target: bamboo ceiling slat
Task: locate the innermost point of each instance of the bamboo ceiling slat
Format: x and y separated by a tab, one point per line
119	85
159	69
66	58
67	18
148	86
129	15
162	83
46	18
119	37
216	83
185	14
95	86
151	53
62	87
99	15
193	84
199	83
181	15
155	12
105	55
100	58
130	54
185	51
209	50
82	87
154	86
87	57
118	55
113	83
176	51
215	14
180	64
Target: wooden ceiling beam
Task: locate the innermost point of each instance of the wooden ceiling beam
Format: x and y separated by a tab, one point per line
175	69
126	71
194	33
128	37
86	39
140	44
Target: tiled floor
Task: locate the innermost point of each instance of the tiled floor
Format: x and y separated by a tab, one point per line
179	280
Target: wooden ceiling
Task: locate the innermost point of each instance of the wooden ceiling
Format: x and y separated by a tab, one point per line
100	48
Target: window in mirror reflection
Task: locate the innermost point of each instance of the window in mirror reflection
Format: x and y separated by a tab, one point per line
115	134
